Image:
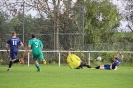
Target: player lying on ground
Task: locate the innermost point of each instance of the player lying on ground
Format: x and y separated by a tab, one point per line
75	62
114	65
13	43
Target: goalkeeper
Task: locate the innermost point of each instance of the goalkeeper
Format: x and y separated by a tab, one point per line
75	62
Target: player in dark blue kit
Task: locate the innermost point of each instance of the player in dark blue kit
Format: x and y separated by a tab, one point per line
14	44
114	65
120	55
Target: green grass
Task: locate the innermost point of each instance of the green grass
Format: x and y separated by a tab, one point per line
53	76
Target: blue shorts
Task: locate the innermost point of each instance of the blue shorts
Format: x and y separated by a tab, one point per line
107	66
13	55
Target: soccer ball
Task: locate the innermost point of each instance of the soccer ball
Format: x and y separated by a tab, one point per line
99	58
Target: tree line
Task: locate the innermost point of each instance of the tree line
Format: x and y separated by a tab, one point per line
91	21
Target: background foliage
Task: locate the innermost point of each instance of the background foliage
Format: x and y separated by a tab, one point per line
82	25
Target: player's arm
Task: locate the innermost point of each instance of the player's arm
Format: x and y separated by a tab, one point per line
7	48
28	48
69	62
115	68
41	47
77	58
26	51
21	45
70	66
121	55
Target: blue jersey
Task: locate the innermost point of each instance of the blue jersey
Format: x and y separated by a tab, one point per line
115	64
14	43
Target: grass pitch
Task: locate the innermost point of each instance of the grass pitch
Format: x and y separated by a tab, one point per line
53	76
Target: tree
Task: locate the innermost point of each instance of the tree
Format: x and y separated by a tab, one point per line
128	13
101	21
125	8
4	27
53	10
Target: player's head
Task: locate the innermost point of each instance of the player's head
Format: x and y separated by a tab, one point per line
68	52
115	58
33	36
14	33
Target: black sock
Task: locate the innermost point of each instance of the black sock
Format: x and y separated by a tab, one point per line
77	68
16	61
10	64
88	66
97	67
83	64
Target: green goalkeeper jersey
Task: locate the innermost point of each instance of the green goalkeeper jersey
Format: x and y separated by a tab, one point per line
35	45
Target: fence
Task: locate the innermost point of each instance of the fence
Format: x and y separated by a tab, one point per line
70	31
70	35
89	57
